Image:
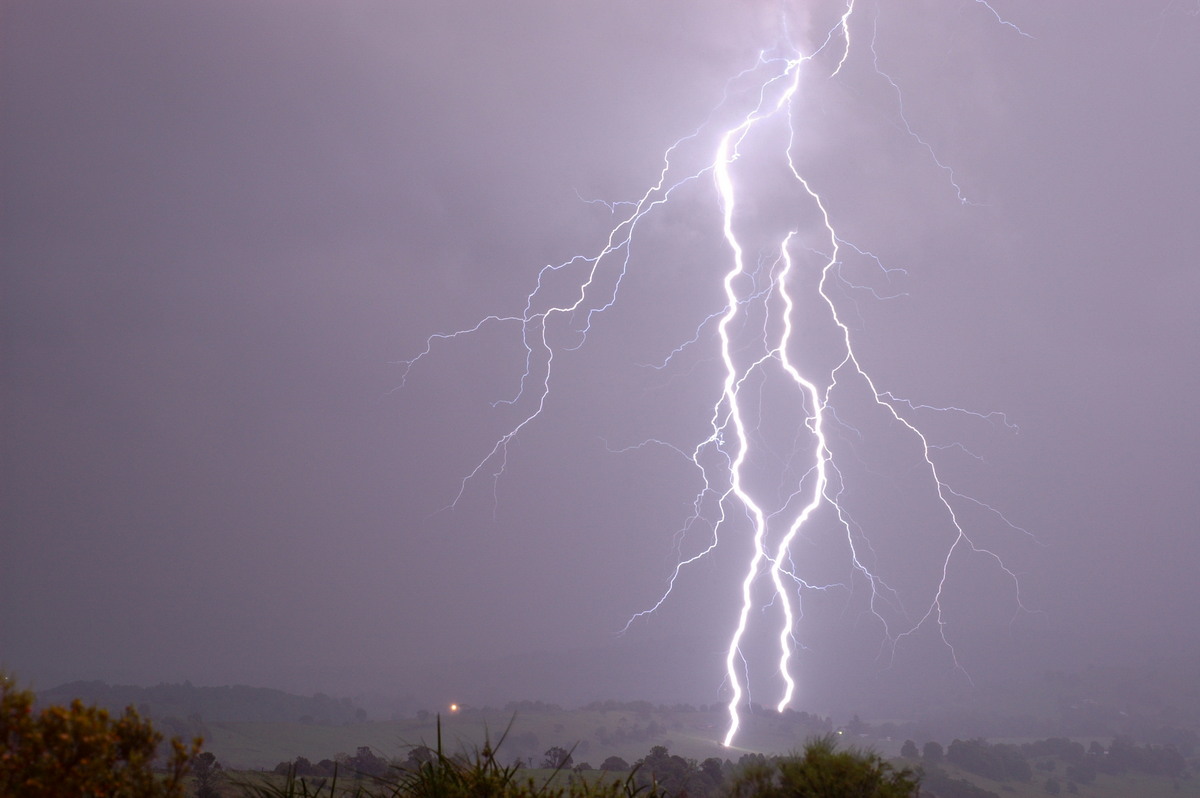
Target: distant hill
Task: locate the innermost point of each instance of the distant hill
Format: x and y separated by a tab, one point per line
236	704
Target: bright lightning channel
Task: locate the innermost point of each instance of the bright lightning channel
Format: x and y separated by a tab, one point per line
547	328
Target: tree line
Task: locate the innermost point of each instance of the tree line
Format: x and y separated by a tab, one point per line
1026	762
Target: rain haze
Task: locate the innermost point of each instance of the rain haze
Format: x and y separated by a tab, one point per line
227	229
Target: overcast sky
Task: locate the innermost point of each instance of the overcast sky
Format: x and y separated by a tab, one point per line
224	225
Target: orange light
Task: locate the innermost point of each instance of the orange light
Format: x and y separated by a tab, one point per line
454	707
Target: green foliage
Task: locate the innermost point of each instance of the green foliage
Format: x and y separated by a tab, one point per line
81	750
678	776
821	771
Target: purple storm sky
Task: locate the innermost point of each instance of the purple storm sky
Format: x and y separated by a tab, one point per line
224	224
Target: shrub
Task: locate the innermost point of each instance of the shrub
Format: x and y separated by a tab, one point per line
81	750
822	771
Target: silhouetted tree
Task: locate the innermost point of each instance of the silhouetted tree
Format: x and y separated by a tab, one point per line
417	756
207	774
365	762
671	773
714	770
557	757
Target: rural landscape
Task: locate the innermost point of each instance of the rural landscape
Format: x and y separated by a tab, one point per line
599	399
1102	733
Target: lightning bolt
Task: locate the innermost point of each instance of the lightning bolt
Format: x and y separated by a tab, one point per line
756	334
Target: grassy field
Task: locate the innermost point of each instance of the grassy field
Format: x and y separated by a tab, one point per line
596	735
1127	786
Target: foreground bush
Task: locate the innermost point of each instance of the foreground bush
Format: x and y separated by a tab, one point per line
82	751
822	771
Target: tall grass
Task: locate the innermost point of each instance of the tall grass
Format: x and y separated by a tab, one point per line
478	774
